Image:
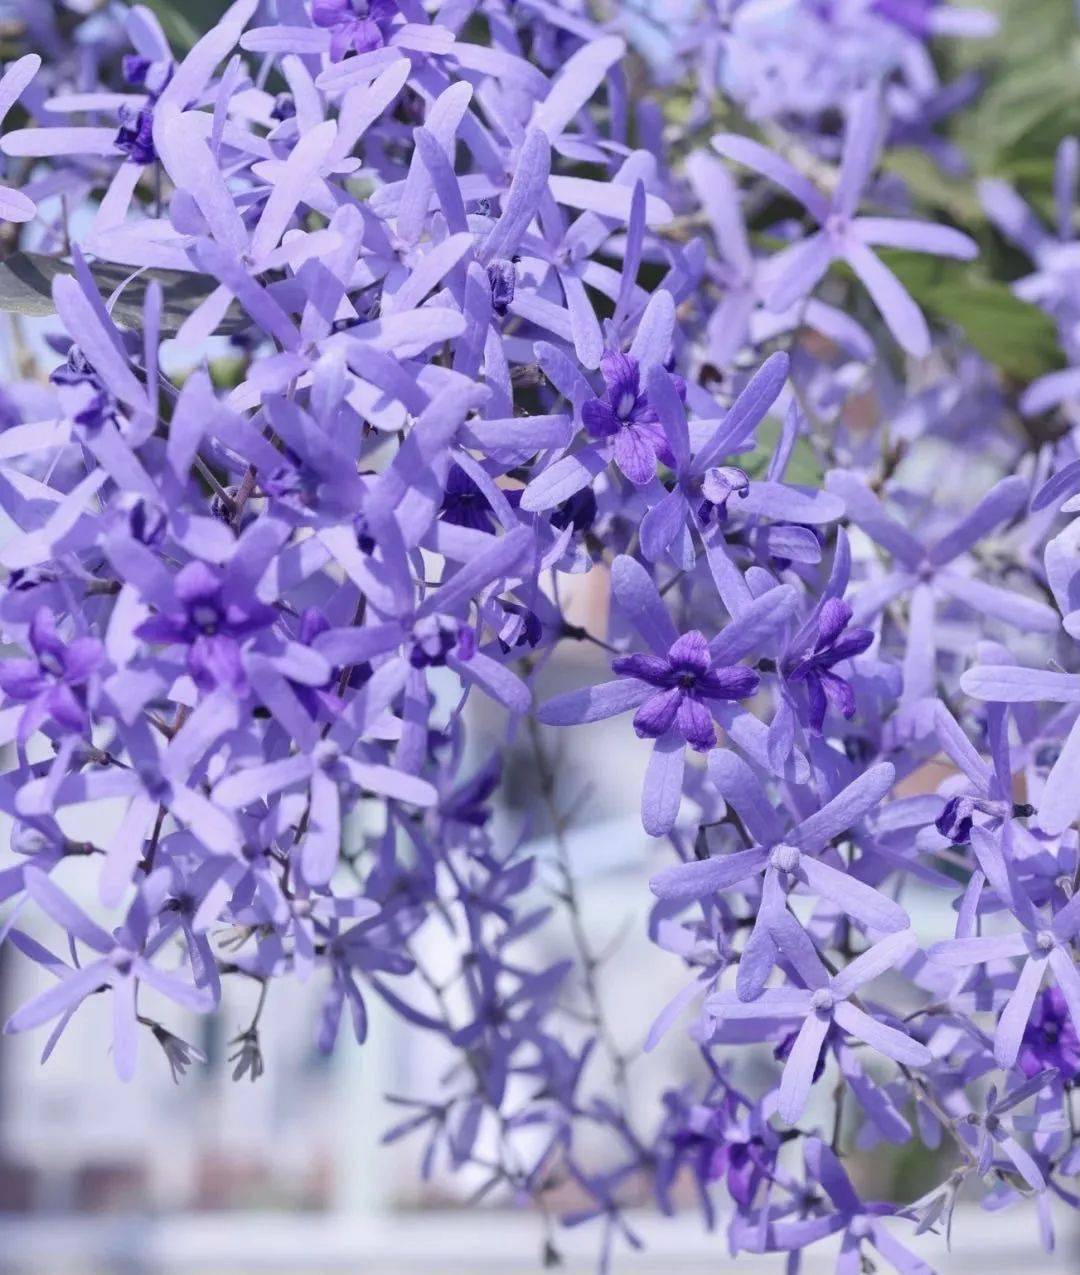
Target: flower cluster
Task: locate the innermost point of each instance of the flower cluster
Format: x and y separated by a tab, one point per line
375	335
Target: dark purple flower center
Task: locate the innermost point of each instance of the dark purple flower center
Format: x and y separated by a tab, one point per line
436	637
685	680
136	135
51	663
206	617
84	398
464	504
284	107
502	276
717	488
578	512
833	644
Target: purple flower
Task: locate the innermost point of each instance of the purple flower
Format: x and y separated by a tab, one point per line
833	643
123	963
623	413
52	684
1050	1038
717	487
337	473
210	624
136	135
676	689
721	1143
987	1132
1059	802
685	680
860	1223
825	1001
464	504
1043	942
796	271
355	25
502	276
83	394
790	859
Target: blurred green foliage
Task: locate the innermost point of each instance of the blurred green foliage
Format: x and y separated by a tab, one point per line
1031	100
183	21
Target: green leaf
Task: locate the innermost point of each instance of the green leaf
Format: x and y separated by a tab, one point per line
803	468
1030	100
932	188
184	21
26	280
1018	338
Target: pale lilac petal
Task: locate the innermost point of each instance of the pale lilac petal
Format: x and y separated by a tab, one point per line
656	328
845	809
661	792
15	206
60	999
774	1002
1012	684
748	410
43	143
699	879
15	80
1068	980
766	162
904	318
855	897
389	782
1027	614
193	74
594	703
1050	390
502	557
866	509
977	950
862	140
740	787
255	299
584	325
798	1077
1028	1168
875	961
886	1040
82	319
795	504
665	401
189	162
719	198
916	236
607	199
258	783
1003	502
1012	216
759	621
522	199
662	524
1059	802
795	272
637	596
1017	1011
321	846
577	81
440	177
56	904
757	960
563	479
502	684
